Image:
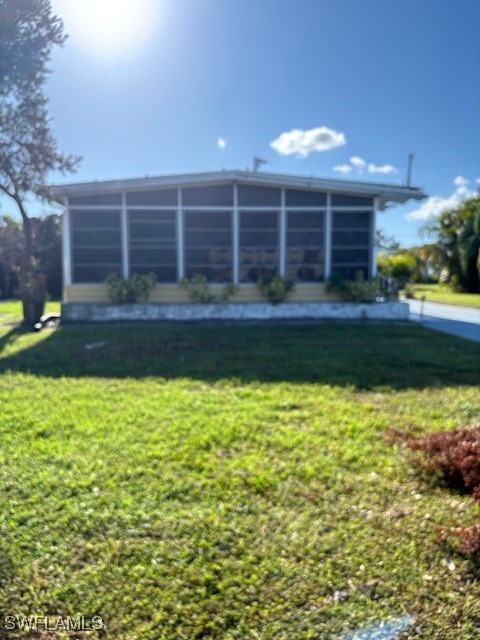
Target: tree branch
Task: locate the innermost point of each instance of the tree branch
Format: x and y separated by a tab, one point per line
6	191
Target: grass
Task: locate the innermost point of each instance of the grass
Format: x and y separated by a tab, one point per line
439	293
224	482
11	310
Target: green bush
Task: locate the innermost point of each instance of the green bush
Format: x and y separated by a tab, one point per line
198	290
274	288
229	290
337	284
399	266
358	290
409	292
136	288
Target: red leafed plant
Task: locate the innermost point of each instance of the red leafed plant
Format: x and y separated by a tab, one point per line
455	455
463	539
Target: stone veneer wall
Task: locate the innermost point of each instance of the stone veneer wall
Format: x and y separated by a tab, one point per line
90	312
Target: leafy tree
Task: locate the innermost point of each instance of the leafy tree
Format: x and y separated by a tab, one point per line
47	249
28	150
430	265
11	253
456	250
47	252
412	263
385	243
400	266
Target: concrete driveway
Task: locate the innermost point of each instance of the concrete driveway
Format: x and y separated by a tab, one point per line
458	321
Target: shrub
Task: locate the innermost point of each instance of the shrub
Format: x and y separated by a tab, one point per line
229	290
399	266
274	288
455	455
133	289
409	292
337	284
198	289
358	290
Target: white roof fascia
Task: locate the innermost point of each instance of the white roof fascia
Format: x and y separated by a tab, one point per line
384	192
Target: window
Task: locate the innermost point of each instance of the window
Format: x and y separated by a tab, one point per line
304	252
258	244
208	244
351	243
96	245
153	243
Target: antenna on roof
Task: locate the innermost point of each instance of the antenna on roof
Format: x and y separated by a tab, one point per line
257	163
411	156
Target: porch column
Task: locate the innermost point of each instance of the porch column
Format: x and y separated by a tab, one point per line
328	237
66	251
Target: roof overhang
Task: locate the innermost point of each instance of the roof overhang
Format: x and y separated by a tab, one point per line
384	193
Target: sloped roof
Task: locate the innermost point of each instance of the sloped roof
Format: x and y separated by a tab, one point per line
386	193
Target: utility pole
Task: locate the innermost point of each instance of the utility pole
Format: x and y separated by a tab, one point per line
411	156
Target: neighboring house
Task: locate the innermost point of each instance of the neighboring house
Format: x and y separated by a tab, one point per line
231	226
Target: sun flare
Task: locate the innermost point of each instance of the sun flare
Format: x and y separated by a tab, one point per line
109	27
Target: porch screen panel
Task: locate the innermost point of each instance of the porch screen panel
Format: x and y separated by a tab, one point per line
215	196
305	246
156	198
208	244
253	196
153	244
343	200
259	244
351	243
96	244
96	199
297	198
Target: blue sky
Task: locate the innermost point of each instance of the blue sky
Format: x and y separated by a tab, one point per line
152	86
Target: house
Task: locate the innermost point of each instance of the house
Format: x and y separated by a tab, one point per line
231	226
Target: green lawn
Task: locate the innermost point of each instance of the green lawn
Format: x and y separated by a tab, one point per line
11	310
438	293
225	481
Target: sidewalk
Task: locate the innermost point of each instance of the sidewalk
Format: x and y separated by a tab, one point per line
458	321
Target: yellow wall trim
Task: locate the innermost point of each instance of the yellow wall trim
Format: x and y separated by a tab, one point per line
172	293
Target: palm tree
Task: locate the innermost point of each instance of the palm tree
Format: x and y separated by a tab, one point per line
456	250
469	241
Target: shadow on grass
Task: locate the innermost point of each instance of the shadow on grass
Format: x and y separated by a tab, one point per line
365	356
11	336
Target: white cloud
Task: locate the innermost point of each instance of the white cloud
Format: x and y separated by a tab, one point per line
477	180
302	143
221	143
343	168
433	206
460	181
357	162
381	168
